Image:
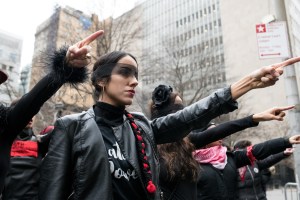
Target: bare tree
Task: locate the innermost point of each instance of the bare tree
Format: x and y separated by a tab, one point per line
191	69
8	89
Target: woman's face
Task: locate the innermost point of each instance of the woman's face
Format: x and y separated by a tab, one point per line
120	90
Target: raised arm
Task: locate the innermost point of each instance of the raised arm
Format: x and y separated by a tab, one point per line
200	139
263	150
175	126
65	67
273	159
263	77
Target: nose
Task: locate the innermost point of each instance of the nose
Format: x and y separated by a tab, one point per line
133	82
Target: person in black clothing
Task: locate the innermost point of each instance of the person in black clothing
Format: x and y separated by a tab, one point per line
178	168
13	120
251	183
219	174
26	154
109	153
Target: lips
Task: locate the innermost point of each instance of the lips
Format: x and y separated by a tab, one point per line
131	92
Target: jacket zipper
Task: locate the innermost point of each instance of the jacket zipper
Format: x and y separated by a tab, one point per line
252	176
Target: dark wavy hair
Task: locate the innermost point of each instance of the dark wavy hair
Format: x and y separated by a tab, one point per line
109	58
242	144
177	156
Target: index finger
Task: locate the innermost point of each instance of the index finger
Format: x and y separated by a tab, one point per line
287	108
91	38
287	62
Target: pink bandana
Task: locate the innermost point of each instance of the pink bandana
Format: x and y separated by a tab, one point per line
216	156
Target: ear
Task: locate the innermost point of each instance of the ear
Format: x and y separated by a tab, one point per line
102	83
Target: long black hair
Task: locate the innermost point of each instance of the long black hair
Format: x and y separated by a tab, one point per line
176	156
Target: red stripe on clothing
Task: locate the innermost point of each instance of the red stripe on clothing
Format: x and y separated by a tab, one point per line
24	149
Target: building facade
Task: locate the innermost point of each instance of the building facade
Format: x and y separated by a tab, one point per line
65	27
183	47
10	59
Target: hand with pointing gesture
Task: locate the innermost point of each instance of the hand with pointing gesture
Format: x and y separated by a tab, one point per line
276	113
260	78
78	54
267	76
295	139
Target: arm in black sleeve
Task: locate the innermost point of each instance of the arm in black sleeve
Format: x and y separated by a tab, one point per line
30	103
221	131
261	151
274	146
271	160
177	125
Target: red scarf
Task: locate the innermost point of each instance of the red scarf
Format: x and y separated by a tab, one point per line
215	155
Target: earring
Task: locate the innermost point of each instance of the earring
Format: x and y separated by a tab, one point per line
102	91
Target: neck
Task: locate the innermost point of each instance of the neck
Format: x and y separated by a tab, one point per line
111	102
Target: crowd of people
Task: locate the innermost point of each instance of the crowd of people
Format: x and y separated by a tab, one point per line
107	152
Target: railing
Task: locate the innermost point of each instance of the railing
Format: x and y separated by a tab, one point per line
293	188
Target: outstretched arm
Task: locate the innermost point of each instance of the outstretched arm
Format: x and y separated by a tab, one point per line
262	150
273	159
200	139
261	78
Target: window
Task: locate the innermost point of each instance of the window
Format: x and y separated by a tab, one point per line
216	41
221	40
13	57
219	22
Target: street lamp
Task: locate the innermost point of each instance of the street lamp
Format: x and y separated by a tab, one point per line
24	80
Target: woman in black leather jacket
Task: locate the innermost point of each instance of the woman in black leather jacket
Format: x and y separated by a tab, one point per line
109	153
14	119
179	170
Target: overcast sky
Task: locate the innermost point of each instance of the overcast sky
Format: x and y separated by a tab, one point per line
21	17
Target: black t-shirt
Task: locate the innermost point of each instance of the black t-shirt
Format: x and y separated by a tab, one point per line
125	181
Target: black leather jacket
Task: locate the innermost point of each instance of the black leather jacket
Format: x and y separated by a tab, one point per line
77	167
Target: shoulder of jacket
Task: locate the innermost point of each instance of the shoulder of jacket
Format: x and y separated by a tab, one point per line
139	116
83	116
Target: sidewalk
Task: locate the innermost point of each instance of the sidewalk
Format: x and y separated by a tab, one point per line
278	194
